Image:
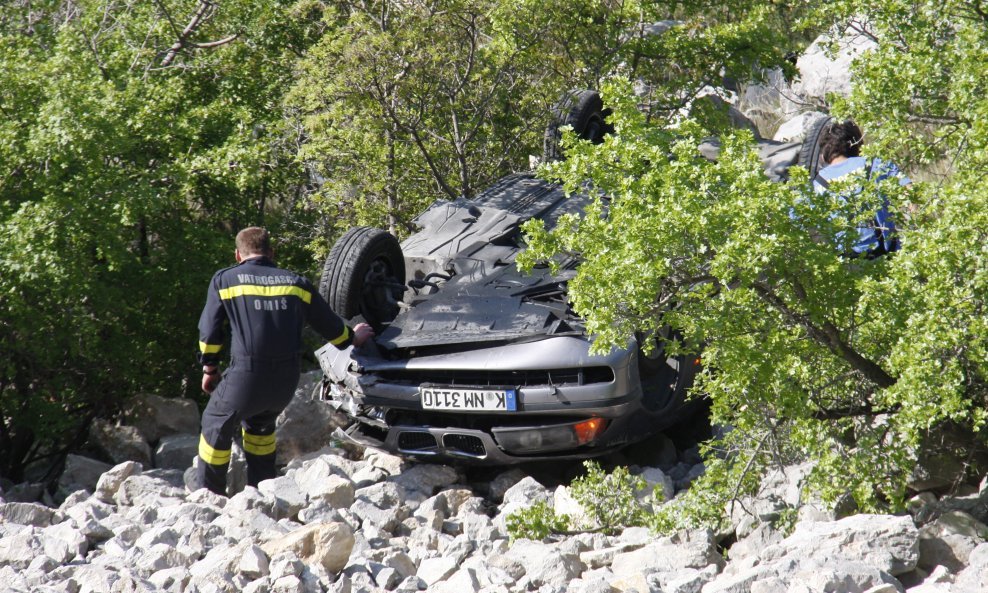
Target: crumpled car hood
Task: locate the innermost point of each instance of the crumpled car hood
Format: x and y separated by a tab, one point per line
502	307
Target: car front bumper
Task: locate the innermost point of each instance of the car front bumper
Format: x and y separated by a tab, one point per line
570	403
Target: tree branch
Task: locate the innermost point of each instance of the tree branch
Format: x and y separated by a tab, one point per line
828	336
217	43
203	12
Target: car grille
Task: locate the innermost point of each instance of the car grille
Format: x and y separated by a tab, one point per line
416	441
582	376
465	443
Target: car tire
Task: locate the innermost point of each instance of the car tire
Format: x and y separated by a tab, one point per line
582	109
809	154
665	379
364	276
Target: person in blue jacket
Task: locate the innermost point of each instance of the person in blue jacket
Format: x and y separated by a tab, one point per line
840	148
263	309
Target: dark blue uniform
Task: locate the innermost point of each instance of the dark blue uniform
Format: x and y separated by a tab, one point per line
263	308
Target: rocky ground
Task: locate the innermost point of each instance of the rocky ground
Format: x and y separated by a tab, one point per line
365	521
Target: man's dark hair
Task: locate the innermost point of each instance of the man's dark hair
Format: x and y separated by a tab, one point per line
840	139
254	240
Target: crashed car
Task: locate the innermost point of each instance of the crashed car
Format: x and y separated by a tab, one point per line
475	360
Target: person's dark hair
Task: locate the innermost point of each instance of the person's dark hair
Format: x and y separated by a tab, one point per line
254	240
840	139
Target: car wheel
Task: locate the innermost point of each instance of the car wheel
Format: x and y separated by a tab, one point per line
809	154
582	109
665	379
364	276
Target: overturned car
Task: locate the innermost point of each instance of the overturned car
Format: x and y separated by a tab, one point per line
475	360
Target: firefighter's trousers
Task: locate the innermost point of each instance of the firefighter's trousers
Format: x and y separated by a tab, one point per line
250	397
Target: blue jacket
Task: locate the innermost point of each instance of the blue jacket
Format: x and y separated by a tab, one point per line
878	237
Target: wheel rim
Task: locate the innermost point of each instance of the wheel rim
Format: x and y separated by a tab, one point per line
379	291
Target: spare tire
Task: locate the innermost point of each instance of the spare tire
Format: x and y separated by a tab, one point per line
364	275
582	109
809	154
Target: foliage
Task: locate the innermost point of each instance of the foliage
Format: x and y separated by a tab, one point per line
805	351
536	522
400	120
121	179
612	501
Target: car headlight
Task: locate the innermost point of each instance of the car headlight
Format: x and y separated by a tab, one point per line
538	439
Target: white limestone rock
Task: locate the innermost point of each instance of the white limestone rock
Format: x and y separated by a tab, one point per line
500	485
254	563
694	549
288	497
392	464
120	443
27	513
821	73
949	541
81	473
657	482
155	417
160	557
368	475
171	580
422	481
326	544
461	581
176	451
109	483
888	543
248	499
545	565
974	577
19	549
434	570
89	516
319	481
63	542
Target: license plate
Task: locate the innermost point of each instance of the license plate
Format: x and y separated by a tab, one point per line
455	398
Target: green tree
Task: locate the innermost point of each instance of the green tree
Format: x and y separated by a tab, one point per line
135	137
806	353
419	104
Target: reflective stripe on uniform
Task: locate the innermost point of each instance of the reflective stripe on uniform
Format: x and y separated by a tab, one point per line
343	337
209	348
259	444
212	456
265	291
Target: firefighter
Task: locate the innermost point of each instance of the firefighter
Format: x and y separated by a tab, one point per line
265	308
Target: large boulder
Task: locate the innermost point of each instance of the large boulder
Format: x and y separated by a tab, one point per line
155	416
326	544
120	443
949	541
307	424
176	451
26	513
974	578
109	483
81	473
544	564
888	543
695	549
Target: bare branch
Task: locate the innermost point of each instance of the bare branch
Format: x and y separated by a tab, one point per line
204	12
217	43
